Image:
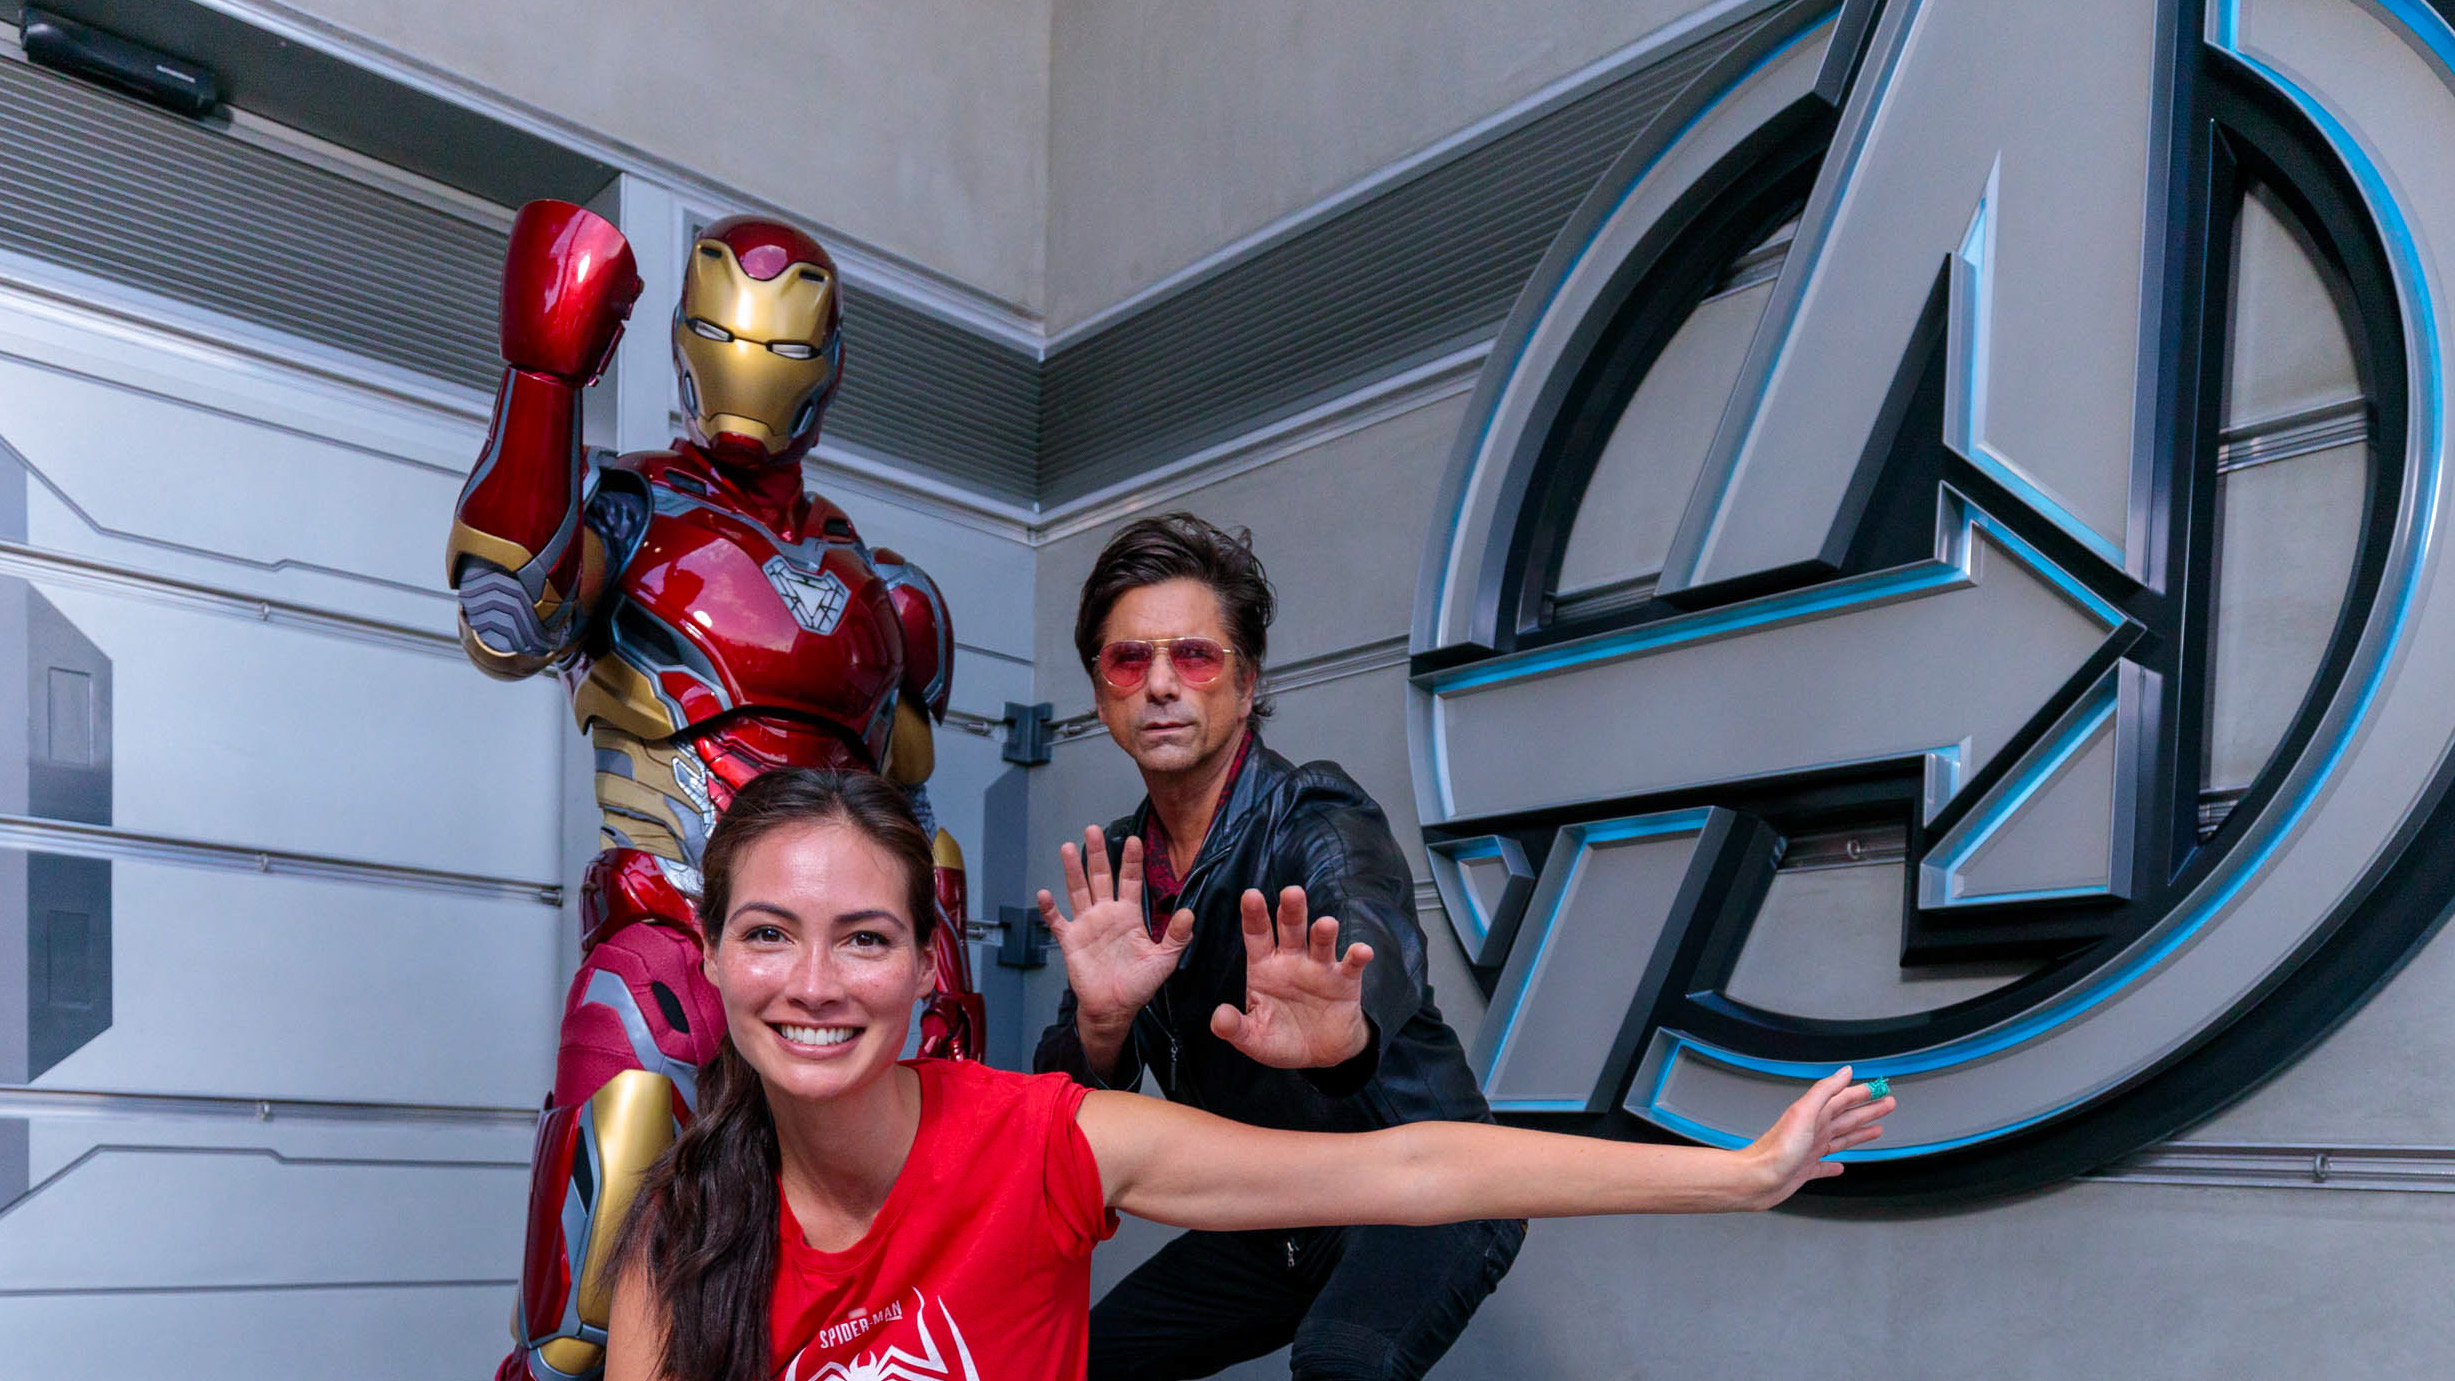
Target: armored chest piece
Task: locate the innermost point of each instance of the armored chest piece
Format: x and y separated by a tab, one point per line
817	600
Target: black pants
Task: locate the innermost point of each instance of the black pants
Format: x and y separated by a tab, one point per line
1360	1304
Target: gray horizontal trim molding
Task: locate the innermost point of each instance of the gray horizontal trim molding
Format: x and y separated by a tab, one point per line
2290	1165
1445	376
81	572
75	1103
93	1153
2307	432
392	457
223	341
841	471
107	841
276	1287
1382	654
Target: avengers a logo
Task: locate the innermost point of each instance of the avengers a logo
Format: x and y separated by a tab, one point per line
1938	574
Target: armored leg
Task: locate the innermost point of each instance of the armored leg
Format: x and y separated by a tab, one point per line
639	1022
954	1022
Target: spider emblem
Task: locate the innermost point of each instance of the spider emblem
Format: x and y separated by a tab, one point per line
895	1364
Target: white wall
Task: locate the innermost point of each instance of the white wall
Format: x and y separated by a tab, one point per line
1035	150
919	126
1175	129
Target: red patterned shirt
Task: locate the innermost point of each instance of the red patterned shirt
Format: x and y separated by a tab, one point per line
1160	884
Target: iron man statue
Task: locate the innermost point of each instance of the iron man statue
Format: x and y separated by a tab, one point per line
712	621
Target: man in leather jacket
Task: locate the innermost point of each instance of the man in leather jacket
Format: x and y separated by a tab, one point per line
1311	1013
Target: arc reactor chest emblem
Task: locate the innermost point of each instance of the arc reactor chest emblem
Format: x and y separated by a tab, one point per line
817	600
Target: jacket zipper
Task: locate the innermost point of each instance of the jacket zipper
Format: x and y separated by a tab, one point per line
1176	1051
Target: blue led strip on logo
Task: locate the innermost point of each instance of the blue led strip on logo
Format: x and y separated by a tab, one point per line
1959	522
1543	913
1472	850
1483	440
1951	569
1965	424
1474	922
2079	730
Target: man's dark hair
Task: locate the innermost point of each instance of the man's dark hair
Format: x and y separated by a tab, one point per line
1180	546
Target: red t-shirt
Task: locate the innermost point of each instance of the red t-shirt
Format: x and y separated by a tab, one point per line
978	1267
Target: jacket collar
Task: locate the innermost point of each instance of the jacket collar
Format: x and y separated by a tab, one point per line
1262	773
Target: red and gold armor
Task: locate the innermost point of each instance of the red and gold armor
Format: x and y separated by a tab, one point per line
712	621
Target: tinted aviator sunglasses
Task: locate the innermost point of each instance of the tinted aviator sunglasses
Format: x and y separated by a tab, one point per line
1126	663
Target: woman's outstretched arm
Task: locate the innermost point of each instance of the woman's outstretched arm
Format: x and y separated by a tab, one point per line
1188	1168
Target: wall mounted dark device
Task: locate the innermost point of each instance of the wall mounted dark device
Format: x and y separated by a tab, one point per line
149	74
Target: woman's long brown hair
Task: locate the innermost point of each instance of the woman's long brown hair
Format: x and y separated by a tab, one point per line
705	1225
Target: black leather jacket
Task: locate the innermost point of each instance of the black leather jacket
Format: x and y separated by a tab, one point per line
1313	827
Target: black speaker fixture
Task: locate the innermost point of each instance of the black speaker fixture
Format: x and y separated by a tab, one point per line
149	74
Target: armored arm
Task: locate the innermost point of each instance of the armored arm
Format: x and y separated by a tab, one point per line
929	632
524	563
952	1023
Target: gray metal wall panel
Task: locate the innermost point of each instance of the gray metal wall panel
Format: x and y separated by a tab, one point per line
337	100
100	183
940	398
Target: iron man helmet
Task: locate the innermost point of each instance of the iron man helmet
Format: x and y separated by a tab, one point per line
755	339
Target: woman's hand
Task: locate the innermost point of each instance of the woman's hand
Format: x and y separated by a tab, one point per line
1834	1115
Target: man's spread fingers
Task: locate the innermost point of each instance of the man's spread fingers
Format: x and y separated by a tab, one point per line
1358	955
1325	940
1048	911
1256	916
1078	891
1095	863
1129	871
1180	927
1290	931
1226	1021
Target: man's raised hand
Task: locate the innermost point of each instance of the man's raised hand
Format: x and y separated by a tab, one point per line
1113	964
1304	1004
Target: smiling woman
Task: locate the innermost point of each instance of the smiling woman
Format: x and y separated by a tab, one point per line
834	1208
